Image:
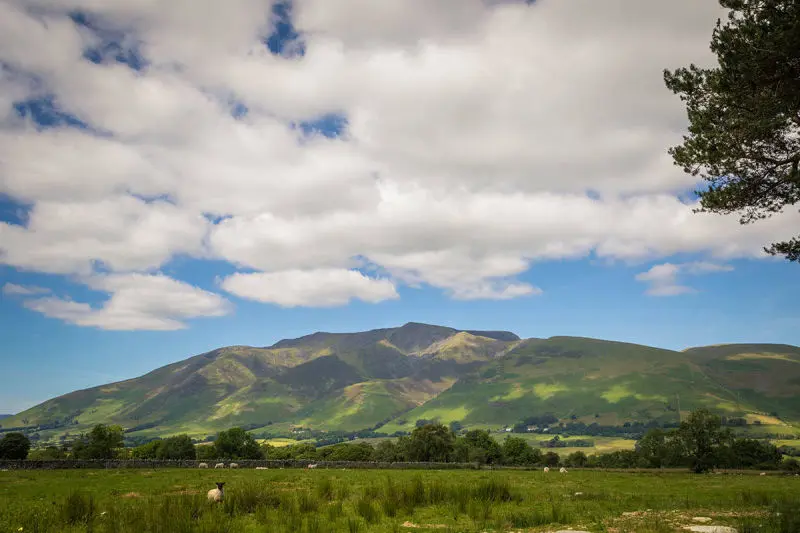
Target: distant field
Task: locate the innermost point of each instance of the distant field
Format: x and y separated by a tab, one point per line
281	442
330	501
602	444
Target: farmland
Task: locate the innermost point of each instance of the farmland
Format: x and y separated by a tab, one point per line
321	500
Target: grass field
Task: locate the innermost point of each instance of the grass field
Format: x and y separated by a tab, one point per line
313	501
601	444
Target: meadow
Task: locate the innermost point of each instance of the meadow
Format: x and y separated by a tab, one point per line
321	500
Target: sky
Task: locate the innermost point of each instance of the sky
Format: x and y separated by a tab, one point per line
179	175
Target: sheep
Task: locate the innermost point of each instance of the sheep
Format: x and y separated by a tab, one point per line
312	466
763	474
219	465
202	465
261	468
563	470
547	469
234	465
216	495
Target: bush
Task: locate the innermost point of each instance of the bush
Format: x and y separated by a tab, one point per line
791	464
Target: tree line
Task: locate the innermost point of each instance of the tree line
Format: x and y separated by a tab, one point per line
701	443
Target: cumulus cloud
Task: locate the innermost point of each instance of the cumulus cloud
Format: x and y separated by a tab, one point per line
663	279
120	232
136	302
310	288
480	137
12	289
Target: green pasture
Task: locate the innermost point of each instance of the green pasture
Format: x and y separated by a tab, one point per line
322	500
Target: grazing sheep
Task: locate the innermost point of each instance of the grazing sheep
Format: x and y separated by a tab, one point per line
763	474
563	470
202	465
219	465
312	466
234	465
261	468
216	495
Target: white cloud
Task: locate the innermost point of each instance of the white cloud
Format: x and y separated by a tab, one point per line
663	279
310	288
482	136
13	289
495	291
123	233
702	267
137	302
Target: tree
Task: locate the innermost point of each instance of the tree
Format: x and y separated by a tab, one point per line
517	451
148	450
14	446
479	447
660	448
701	435
744	115
101	443
176	448
347	451
388	452
236	443
205	452
50	453
790	464
551	459
430	443
748	453
576	459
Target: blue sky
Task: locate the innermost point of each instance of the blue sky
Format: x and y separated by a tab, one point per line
298	170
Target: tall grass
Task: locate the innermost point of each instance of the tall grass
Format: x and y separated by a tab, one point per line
78	508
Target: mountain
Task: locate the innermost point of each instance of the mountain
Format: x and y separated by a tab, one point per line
5	416
393	377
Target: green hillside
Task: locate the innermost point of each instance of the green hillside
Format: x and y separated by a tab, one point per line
392	377
612	383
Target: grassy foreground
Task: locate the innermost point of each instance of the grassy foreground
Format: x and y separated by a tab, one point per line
299	501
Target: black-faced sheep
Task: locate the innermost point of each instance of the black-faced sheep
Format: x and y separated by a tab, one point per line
216	495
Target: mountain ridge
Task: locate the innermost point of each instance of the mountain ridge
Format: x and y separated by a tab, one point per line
390	377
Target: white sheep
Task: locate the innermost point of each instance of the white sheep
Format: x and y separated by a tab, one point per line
219	465
234	465
547	469
763	474
202	465
261	468
312	466
216	495
563	470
